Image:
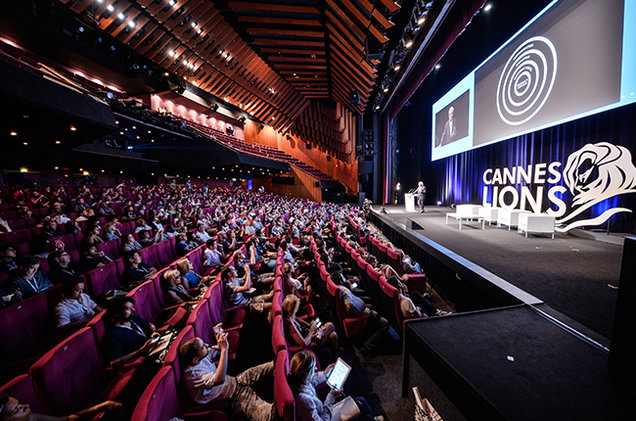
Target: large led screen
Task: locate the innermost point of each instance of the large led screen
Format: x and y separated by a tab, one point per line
575	58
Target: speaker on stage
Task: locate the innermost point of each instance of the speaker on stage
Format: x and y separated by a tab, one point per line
411	224
622	363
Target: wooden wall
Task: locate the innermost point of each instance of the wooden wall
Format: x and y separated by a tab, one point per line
304	188
345	172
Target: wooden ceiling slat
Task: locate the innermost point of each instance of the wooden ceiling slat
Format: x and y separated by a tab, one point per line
141	22
351	8
359	60
287	32
289	42
377	34
291	50
273	7
300	60
150	28
251	20
382	20
342	21
359	47
346	61
391	5
285	66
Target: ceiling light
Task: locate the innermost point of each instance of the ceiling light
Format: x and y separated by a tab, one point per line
85	173
24	169
487	7
385	90
377	107
408	44
121	16
57	142
397	67
199	31
437	66
421	20
110	8
25	143
132	24
73	128
57	168
194	24
171	54
13	133
171	2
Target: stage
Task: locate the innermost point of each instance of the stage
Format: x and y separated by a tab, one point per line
533	329
575	276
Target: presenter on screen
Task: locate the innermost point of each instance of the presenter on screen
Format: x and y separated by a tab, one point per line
450	128
421	195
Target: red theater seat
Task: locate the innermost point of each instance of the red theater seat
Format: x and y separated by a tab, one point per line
283	396
102	279
21	388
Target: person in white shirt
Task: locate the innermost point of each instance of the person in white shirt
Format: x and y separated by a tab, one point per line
205	382
75	307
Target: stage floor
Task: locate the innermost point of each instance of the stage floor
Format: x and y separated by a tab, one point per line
575	276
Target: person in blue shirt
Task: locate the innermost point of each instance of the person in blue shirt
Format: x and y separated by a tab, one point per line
30	280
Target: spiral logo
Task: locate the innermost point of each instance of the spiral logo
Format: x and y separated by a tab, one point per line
526	80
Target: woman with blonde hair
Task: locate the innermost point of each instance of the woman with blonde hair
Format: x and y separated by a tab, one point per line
307	335
174	292
193	279
303	379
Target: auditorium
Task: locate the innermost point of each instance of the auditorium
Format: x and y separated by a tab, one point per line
318	210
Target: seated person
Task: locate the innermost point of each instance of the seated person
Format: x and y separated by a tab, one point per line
377	327
299	288
93	258
7	258
61	269
136	271
76	307
93	236
9	294
130	244
43	245
192	278
146	239
141	225
29	279
307	334
183	246
212	254
4	225
303	379
234	290
204	382
12	410
128	336
111	231
413	304
200	235
174	289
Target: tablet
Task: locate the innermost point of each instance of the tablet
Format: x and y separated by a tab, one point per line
339	375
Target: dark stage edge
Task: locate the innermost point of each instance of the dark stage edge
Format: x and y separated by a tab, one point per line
575	276
513	364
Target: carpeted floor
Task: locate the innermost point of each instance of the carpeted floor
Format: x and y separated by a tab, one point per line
576	276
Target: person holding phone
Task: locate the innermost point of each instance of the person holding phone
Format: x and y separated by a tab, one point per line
303	379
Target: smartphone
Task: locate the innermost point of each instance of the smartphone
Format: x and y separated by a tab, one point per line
153	340
217	330
318	323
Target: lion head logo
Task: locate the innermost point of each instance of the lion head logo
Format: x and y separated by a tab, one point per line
594	173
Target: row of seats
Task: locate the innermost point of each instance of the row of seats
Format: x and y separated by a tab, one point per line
73	374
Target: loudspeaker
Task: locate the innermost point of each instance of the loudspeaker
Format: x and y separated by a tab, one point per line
622	363
354	97
316	183
411	224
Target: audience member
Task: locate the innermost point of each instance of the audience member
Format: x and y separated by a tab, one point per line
175	289
131	244
75	307
29	279
135	271
8	255
61	269
12	410
205	382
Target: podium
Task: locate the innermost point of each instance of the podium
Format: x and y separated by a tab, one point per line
410	201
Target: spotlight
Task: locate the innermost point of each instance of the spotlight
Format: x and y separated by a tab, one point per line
397	67
438	66
439	203
385	90
421	20
487	7
121	16
24	169
408	44
110	8
171	54
132	24
171	3
13	133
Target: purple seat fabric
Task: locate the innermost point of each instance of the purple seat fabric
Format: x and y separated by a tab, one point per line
21	388
203	325
102	279
218	309
110	248
24	327
283	396
149	256
278	334
62	384
146	303
15	237
172	356
165	254
195	257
